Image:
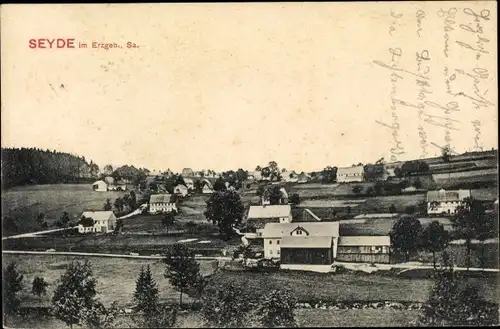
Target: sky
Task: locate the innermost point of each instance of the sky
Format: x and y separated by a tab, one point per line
227	86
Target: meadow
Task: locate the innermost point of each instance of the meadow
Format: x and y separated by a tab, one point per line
26	202
115	276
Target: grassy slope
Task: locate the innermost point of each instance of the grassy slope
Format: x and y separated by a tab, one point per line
24	203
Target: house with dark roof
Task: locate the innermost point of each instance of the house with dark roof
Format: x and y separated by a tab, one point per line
310	246
350	174
161	203
364	249
446	202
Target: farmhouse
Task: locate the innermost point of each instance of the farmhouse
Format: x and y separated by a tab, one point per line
350	174
206	189
365	249
100	186
258	216
102	221
161	203
189	183
302	246
446	202
181	190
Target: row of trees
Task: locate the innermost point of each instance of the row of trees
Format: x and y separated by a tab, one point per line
23	166
470	222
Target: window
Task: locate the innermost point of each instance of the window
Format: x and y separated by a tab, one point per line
298	232
277	241
270	252
270	241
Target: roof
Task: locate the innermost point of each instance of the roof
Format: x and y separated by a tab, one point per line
98	215
188	180
306	242
180	186
409	189
443	195
269	211
160	198
272	230
99	182
345	241
351	170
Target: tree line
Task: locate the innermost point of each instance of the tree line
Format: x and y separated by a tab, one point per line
26	166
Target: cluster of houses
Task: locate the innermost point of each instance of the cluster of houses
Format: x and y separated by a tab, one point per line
314	245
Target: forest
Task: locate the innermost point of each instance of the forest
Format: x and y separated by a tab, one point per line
28	166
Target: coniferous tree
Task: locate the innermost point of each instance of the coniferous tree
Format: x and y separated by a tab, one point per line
12	285
146	292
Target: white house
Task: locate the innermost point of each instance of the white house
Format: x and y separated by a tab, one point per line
160	203
206	189
350	174
103	222
189	183
100	186
259	216
302	246
446	202
181	190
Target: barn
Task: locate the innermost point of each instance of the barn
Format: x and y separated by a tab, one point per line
100	186
364	249
307	253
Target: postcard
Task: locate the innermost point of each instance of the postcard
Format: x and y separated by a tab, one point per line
249	164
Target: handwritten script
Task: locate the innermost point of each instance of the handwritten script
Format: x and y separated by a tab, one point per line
438	70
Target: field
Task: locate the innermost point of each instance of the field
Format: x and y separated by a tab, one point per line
116	277
305	318
25	203
346	287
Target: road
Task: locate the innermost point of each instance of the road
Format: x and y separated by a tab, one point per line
407	266
33	234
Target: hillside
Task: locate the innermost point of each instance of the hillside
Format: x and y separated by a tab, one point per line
29	166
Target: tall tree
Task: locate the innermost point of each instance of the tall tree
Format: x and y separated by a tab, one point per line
146	292
76	291
434	239
225	209
465	222
405	235
39	287
226	306
182	270
107	205
454	302
12	285
277	309
108	170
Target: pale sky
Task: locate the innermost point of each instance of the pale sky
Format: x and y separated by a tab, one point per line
223	86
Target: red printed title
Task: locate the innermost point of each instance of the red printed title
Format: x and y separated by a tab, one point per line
70	43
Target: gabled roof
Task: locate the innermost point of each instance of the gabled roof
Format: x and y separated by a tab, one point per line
276	230
98	215
98	182
160	198
350	170
443	195
306	242
269	211
353	241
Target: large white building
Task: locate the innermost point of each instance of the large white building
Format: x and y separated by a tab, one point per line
103	222
160	203
446	202
350	174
